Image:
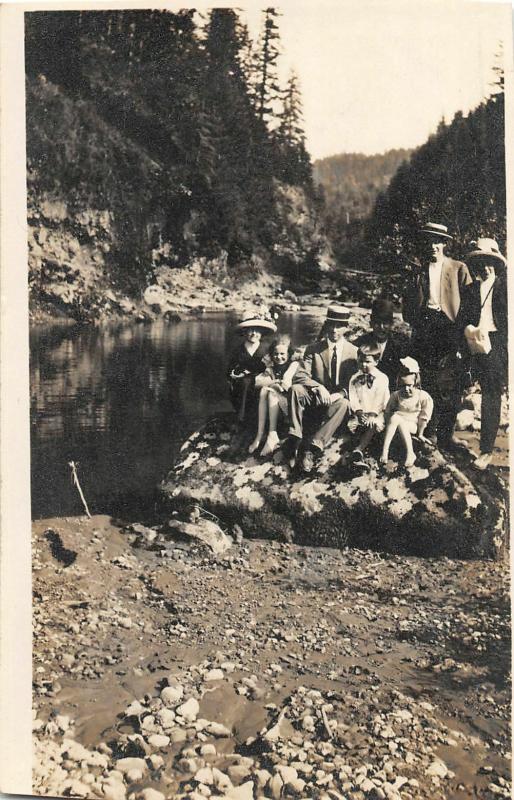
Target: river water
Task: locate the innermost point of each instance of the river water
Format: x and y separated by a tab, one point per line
120	400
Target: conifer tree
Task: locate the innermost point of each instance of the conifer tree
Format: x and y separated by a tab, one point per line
267	88
294	162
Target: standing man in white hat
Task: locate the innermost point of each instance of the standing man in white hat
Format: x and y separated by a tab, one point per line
321	386
430	305
483	322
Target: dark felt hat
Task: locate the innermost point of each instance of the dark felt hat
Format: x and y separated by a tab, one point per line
382	309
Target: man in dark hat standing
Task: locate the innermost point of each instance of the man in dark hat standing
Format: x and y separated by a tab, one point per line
430	305
321	386
392	346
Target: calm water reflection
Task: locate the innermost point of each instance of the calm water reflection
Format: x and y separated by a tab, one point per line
120	401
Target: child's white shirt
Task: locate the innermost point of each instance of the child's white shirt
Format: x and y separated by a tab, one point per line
369	399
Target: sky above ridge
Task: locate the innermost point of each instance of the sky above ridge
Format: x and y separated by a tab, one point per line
380	74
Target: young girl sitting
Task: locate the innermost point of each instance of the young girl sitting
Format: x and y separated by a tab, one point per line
368	394
274	383
408	411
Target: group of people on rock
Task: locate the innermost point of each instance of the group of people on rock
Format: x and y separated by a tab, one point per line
385	384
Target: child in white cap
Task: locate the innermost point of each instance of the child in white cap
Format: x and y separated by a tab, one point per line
408	411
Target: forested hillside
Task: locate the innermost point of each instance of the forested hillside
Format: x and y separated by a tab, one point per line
160	141
457	178
350	184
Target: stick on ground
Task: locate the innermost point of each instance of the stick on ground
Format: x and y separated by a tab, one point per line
77	484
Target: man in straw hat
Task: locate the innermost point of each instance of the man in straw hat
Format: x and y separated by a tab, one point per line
430	305
321	387
482	321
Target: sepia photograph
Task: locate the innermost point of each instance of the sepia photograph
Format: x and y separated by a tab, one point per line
266	279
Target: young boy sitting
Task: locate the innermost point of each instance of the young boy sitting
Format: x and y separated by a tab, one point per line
368	395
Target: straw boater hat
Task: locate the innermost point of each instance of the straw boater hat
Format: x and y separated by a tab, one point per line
436	230
487	249
337	314
260	324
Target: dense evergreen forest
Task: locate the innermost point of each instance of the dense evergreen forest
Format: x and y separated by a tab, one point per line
350	184
165	141
157	137
457	177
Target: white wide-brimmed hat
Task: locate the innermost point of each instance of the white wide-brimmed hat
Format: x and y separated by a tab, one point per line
260	324
485	248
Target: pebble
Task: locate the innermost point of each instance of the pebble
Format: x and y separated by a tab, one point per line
125	765
204	775
150	794
238	772
437	769
286	773
158	740
243	792
172	695
214	675
217	729
189	710
275	785
178	735
114	790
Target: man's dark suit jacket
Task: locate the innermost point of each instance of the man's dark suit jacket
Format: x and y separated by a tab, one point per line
314	369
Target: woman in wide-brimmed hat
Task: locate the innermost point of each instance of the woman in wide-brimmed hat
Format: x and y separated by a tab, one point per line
246	362
482	321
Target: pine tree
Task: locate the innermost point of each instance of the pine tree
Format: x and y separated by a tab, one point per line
267	87
294	164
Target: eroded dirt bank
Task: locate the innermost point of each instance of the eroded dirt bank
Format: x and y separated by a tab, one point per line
272	670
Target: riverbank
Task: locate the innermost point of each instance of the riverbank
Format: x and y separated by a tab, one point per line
295	671
186	293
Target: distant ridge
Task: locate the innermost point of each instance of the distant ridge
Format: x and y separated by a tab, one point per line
354	180
350	184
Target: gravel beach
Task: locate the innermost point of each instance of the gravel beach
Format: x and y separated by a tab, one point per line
268	670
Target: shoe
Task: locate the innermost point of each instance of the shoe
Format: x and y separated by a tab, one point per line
254	445
290	450
272	443
482	461
358	461
308	462
450	443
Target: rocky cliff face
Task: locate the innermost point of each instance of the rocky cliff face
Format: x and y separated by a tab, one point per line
433	508
106	220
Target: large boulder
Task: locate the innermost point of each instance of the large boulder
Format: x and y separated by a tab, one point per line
438	507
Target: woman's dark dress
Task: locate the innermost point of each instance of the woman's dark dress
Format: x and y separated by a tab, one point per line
242	390
490	369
